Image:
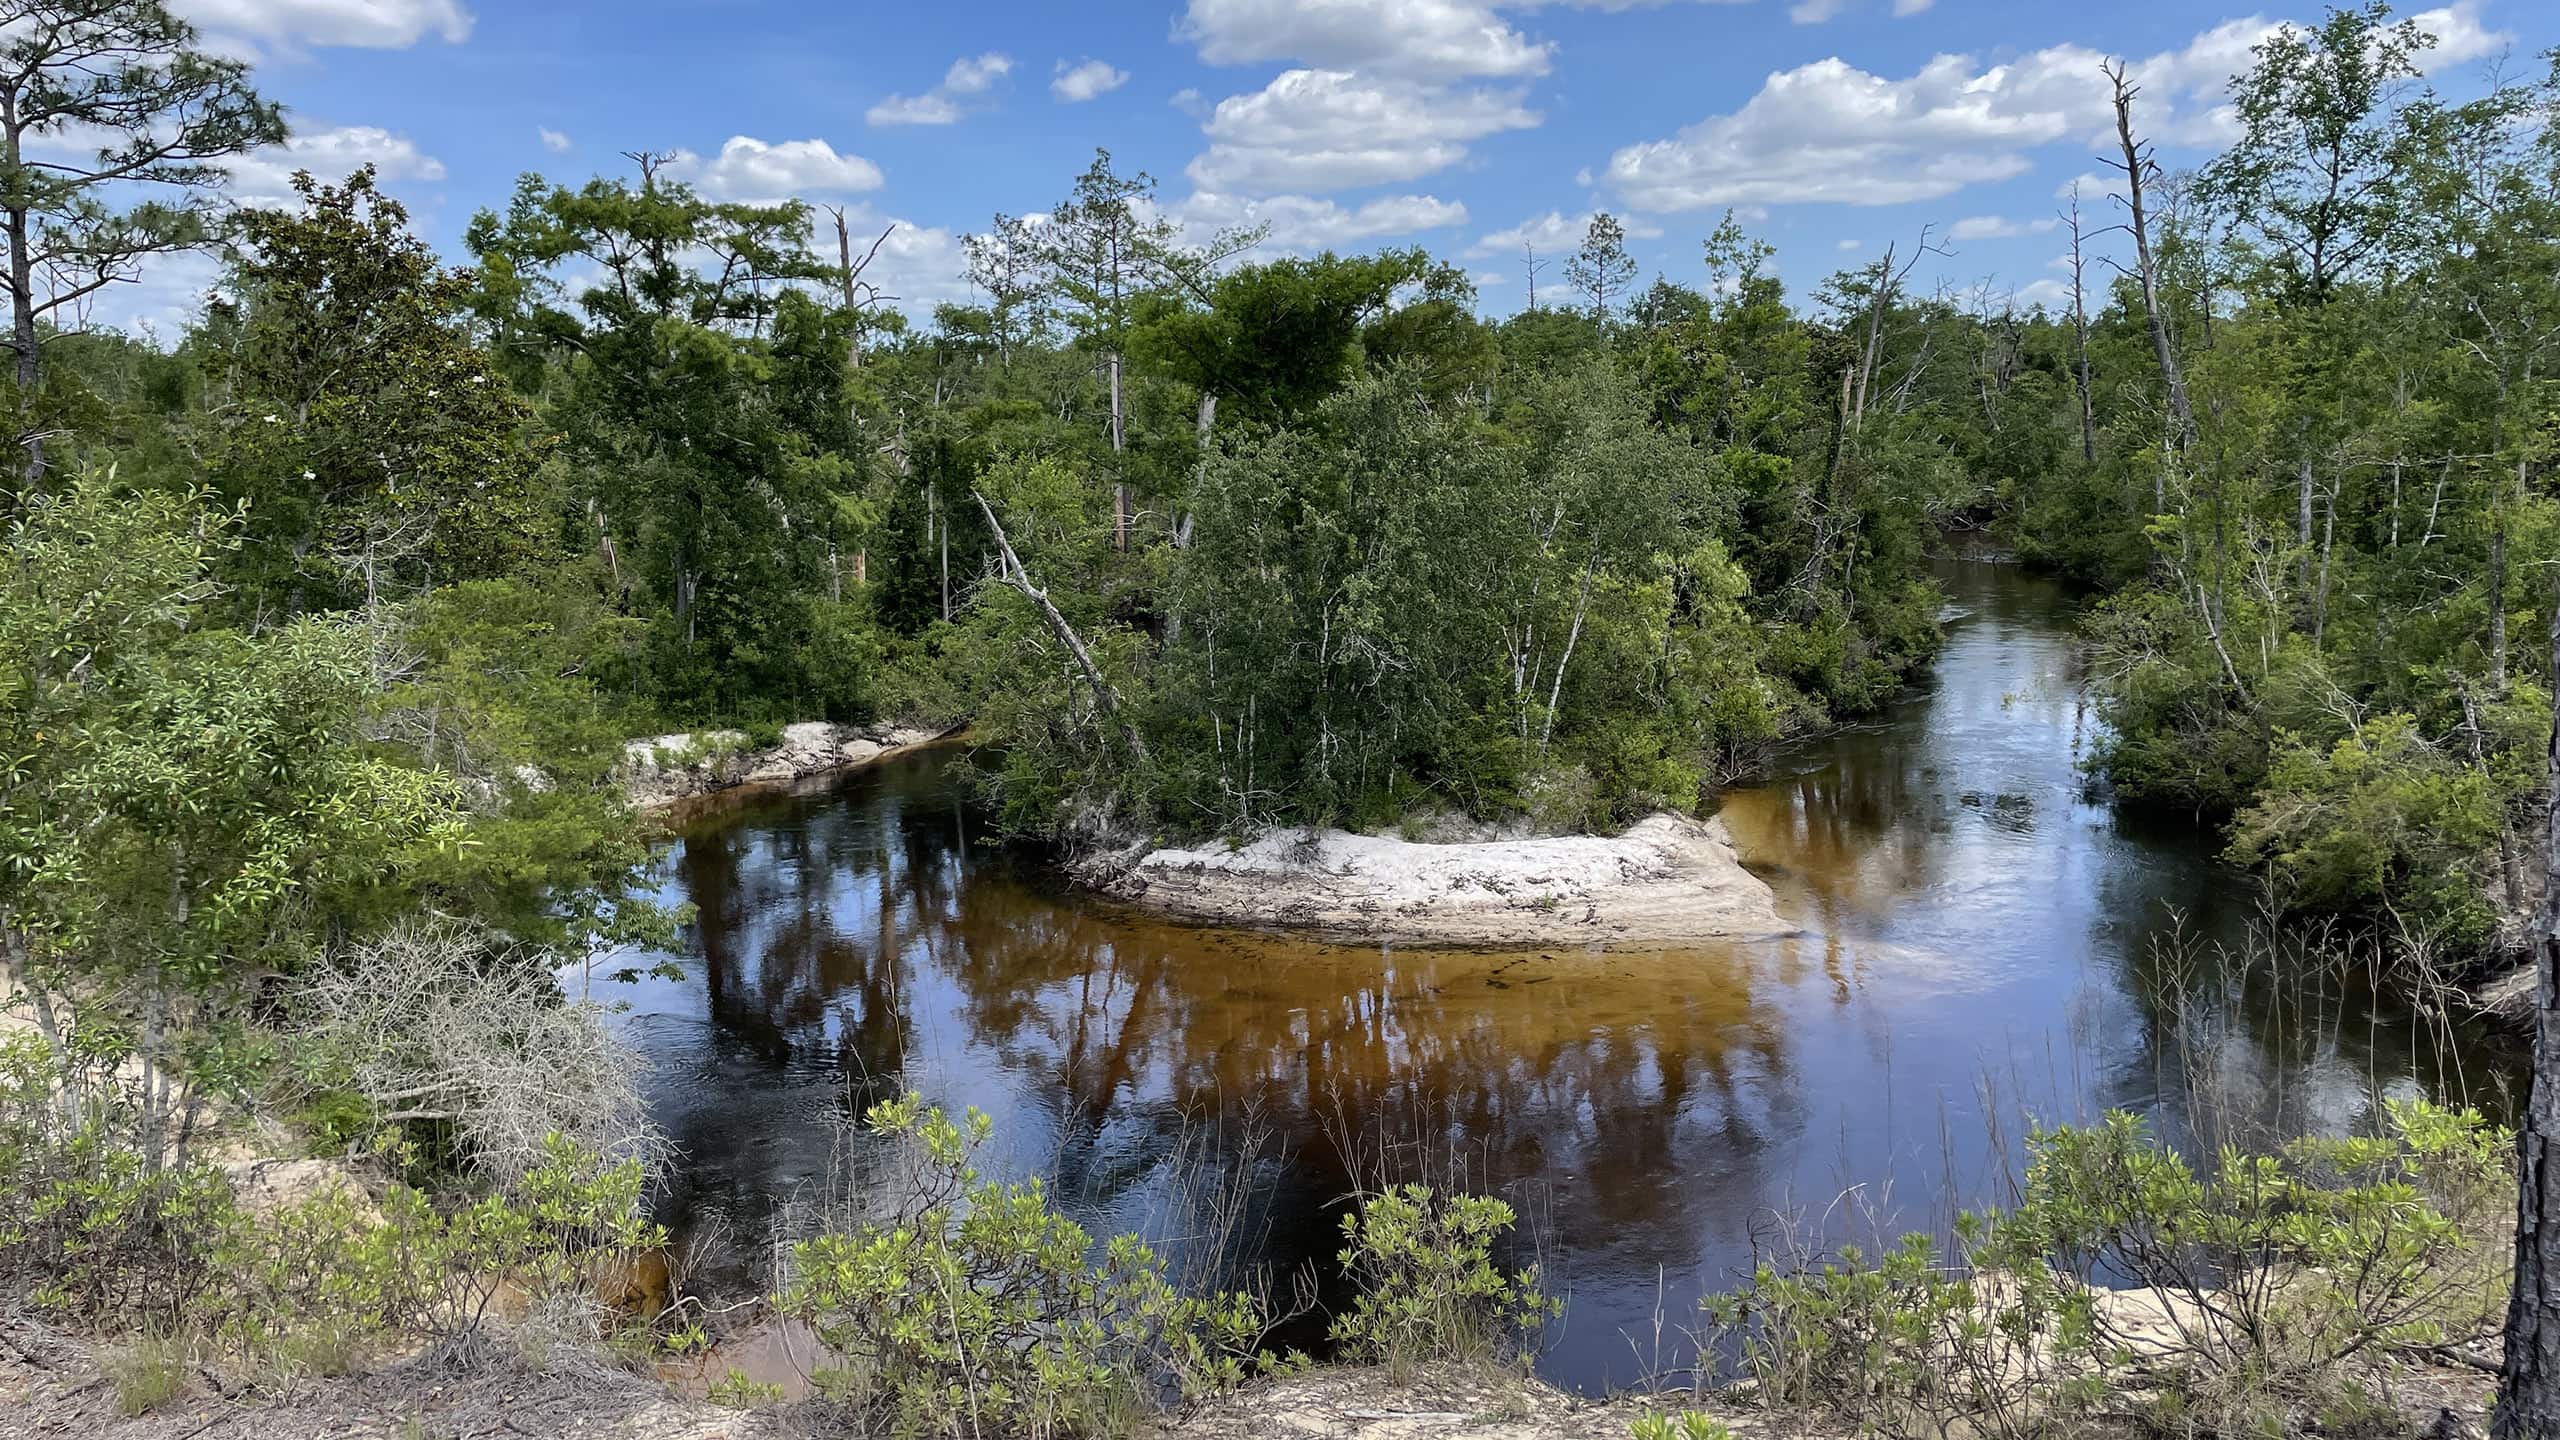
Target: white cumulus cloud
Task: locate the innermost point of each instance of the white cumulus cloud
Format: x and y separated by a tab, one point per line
970	75
554	141
976	74
373	24
1424	39
1302	223
1830	131
1554	233
1997	227
265	177
752	170
1333	130
1086	79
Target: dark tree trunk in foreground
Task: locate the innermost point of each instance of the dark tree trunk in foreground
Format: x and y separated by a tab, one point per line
2529	1388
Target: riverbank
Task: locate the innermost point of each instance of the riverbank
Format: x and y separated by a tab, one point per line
1666	880
663	772
54	1386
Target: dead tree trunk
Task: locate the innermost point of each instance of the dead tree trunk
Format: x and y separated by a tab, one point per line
2080	340
2137	164
2529	1383
859	294
1105	697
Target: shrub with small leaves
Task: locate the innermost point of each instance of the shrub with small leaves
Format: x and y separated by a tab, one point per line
1683	1425
1428	1284
980	1310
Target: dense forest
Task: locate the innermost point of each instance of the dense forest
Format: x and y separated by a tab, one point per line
338	610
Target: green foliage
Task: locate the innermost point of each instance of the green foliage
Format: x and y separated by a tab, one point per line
1427	1284
155	114
108	1237
1680	1425
372	443
2385	817
737	1390
979	1309
2250	1287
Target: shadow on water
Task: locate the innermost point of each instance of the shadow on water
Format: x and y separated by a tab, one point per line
1981	939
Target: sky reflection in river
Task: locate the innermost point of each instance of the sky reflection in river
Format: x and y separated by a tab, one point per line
1979	936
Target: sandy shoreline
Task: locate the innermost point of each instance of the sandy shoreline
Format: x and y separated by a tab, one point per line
665	771
1666	880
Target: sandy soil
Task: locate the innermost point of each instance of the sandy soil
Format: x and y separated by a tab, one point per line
51	1387
1668	879
663	771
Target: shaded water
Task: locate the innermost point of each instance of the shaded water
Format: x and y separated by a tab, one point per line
1980	940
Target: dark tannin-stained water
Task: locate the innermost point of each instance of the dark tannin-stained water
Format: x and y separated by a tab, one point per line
1982	941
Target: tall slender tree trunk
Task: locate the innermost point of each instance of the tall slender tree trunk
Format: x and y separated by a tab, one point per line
2136	163
2302	488
2498	601
1119	447
2529	1383
1106	697
852	311
22	336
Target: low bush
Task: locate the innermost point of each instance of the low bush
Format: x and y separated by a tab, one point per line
976	1308
2233	1296
1427	1284
104	1236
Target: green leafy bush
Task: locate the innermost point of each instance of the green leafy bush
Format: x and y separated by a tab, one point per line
2249	1290
105	1237
978	1309
1429	1287
1684	1425
2383	817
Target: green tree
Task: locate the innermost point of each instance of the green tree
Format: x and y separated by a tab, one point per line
1601	268
187	808
378	448
113	129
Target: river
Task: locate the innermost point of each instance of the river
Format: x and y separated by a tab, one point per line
1985	942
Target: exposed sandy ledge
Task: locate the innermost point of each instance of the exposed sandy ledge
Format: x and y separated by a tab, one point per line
666	770
1666	880
2509	997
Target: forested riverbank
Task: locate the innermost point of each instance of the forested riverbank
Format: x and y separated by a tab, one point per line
350	635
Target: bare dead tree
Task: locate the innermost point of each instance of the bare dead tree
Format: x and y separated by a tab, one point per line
2080	332
435	1028
1529	261
1106	697
2138	167
1888	284
859	294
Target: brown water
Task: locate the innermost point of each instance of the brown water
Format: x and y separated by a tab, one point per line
1981	942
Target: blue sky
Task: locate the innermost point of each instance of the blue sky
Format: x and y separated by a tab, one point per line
1833	126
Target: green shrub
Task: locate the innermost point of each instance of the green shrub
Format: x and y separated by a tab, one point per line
94	1231
104	1237
2260	1286
736	1390
978	1309
1684	1425
2277	1268
1428	1286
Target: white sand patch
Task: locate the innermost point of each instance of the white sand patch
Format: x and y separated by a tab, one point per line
663	770
1667	879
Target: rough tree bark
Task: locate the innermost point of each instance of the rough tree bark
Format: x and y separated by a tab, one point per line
2529	1384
